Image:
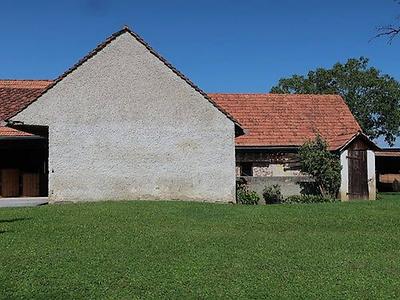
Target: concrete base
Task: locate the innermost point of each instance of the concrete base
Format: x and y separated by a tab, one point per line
23	201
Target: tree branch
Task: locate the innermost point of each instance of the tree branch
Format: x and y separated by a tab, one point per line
390	31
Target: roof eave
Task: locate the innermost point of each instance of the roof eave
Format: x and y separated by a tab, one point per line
21	137
267	147
372	145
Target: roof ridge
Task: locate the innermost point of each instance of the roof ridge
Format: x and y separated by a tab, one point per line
213	93
111	38
275	94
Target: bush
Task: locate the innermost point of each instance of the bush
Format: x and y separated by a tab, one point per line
272	194
243	195
307	199
309	188
247	197
322	165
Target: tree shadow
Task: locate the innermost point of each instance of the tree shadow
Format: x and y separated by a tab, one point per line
14	220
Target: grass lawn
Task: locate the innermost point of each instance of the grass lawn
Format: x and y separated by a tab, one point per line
197	250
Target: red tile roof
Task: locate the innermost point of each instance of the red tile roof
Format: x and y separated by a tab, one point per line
17	94
8	131
290	120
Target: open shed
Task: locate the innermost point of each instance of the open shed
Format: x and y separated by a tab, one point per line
23	164
388	170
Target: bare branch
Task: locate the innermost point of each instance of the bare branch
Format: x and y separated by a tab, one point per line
390	31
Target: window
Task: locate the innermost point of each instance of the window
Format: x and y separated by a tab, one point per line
246	169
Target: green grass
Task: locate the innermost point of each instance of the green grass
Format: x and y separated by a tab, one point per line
178	250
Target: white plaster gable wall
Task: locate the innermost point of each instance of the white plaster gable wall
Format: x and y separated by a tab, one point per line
344	184
124	126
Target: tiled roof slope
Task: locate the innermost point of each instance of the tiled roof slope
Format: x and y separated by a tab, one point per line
15	95
290	120
11	132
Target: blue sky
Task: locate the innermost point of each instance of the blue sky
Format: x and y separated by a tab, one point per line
222	46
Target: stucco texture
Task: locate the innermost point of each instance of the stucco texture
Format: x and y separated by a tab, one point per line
125	126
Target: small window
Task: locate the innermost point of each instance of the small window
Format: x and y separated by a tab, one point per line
246	169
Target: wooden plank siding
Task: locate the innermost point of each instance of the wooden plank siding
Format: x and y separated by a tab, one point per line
30	185
10	182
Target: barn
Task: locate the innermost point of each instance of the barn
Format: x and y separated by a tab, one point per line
278	124
121	124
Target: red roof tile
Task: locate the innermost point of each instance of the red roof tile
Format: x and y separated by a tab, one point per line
7	132
17	94
290	120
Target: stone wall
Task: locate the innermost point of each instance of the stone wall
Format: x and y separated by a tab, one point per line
277	170
289	184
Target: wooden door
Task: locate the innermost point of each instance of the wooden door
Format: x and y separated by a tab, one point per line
358	174
10	183
30	185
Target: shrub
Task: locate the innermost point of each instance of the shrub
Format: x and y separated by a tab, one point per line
322	165
309	188
243	195
247	197
272	194
307	199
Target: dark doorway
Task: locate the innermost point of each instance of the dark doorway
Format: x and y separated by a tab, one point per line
358	174
23	166
246	169
387	163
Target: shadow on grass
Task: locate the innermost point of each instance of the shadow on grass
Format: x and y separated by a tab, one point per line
12	221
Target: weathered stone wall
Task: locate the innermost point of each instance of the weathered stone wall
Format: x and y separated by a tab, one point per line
237	170
269	163
268	170
289	184
125	126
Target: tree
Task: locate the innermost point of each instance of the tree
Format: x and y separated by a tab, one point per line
324	166
373	98
391	31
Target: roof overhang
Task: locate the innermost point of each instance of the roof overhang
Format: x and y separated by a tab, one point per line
391	152
359	135
267	147
21	138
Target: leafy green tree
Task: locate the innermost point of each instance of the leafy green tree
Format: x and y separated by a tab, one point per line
324	166
373	98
